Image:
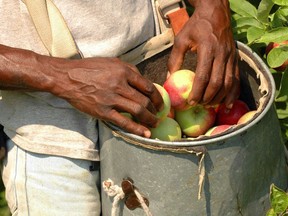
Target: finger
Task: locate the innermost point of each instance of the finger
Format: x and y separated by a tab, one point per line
136	96
148	89
141	113
202	74
216	81
128	124
234	92
176	57
219	97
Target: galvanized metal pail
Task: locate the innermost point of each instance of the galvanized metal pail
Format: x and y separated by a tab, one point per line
223	175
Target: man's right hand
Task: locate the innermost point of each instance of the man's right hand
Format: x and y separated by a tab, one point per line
104	87
100	87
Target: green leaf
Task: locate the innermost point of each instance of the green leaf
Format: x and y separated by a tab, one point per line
277	56
264	9
282	110
279	18
275	35
235	16
281	2
283	90
243	8
284	12
246	21
278	199
271	212
254	33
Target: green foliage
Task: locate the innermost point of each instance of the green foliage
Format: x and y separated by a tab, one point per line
259	24
279	202
4	210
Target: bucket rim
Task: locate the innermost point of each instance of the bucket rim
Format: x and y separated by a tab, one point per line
191	142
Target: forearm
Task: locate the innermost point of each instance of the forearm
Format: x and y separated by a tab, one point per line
25	70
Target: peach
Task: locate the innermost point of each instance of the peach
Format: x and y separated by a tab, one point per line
196	120
167	103
179	85
167	130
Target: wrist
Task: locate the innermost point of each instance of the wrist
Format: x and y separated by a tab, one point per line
54	73
207	3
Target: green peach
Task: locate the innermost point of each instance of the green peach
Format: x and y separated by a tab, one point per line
167	130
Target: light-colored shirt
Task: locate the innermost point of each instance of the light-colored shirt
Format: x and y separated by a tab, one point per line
38	121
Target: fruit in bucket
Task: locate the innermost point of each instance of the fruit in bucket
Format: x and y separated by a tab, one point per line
171	114
179	85
231	116
167	130
246	117
166	99
196	120
217	130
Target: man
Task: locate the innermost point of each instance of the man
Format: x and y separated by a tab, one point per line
50	105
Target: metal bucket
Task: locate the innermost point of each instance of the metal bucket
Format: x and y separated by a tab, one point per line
223	175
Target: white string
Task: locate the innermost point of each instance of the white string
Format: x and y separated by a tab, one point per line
201	175
115	191
143	204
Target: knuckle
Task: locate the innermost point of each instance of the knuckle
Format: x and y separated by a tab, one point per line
138	109
146	102
149	87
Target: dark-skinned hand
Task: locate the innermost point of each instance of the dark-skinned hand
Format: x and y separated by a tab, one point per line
208	32
99	87
105	87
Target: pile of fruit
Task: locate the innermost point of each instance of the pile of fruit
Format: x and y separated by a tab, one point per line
179	119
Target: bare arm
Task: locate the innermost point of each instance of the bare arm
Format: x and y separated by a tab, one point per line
100	87
208	32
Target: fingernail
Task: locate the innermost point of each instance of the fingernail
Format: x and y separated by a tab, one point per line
192	103
168	74
229	106
147	133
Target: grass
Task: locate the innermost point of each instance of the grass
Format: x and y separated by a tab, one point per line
4	210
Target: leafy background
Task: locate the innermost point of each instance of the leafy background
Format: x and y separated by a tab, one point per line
255	23
258	24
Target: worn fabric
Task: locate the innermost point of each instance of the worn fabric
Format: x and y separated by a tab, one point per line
38	184
41	123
